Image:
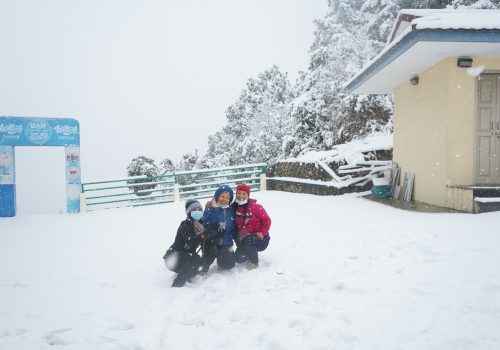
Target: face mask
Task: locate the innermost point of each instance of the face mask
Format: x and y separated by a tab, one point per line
224	206
242	202
196	215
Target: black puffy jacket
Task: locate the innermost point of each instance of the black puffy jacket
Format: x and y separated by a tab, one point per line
186	239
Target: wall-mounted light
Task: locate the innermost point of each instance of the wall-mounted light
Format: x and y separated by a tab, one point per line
464	62
414	80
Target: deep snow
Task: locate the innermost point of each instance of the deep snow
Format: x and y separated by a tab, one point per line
340	273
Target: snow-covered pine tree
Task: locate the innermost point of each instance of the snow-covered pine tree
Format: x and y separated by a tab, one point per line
166	166
257	123
349	35
142	166
188	161
270	124
423	4
378	17
216	155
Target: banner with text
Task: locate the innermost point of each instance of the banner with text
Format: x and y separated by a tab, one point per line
24	131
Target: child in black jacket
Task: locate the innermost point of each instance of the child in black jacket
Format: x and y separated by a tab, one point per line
182	257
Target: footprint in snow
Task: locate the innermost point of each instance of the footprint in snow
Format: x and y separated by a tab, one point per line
121	326
12	333
54	337
19	285
128	347
345	319
280	270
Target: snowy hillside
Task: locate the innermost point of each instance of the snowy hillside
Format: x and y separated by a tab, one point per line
340	273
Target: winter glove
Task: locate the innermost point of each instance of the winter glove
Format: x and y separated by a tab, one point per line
222	228
221	231
214	231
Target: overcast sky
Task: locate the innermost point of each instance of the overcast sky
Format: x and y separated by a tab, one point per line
143	77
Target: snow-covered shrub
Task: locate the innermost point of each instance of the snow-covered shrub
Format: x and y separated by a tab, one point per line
142	166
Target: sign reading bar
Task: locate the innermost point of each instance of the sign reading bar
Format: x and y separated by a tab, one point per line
19	131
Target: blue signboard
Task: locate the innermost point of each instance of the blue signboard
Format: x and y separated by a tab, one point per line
7	182
6	165
73	179
27	131
19	131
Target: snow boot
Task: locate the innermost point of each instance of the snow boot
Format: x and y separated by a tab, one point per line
179	281
251	266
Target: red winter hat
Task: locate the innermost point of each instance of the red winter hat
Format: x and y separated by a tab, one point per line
244	188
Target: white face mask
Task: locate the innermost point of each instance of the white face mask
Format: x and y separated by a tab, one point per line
242	202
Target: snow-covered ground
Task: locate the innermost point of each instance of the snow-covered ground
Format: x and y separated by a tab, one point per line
340	273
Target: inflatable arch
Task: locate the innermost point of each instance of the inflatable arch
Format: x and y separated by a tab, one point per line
26	131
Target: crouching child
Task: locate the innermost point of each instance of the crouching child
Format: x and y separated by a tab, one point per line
182	256
218	219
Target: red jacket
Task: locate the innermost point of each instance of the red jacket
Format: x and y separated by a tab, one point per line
251	218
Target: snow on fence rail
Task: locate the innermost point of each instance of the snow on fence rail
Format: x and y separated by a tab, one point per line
144	190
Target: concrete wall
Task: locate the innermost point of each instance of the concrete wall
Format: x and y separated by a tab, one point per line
434	125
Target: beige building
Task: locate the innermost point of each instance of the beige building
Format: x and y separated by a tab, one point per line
443	69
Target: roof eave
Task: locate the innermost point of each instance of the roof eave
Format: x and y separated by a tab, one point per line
410	39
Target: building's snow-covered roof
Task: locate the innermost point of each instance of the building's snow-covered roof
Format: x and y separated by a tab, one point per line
445	19
421	38
466	19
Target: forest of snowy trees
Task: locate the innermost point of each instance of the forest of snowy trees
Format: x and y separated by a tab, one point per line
273	119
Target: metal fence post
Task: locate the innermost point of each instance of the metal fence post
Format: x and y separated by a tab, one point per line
263	182
177	193
83	203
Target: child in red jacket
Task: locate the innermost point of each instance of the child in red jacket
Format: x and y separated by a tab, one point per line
253	226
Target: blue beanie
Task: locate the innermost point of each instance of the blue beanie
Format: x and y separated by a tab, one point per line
224	188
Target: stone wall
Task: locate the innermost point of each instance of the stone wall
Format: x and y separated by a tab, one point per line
321	190
312	171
